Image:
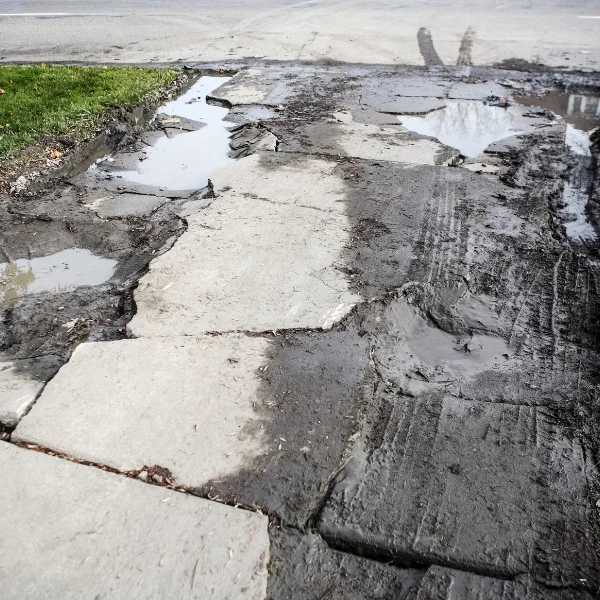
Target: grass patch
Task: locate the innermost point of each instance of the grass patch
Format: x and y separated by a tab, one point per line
41	101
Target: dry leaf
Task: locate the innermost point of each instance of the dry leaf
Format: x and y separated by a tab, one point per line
55	154
2	91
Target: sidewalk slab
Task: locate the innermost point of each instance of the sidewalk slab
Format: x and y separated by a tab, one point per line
256	86
448	584
491	488
249	264
297	180
182	403
73	532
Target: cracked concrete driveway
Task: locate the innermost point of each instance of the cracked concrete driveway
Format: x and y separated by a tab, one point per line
358	361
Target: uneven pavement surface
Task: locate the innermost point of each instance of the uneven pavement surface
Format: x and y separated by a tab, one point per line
364	365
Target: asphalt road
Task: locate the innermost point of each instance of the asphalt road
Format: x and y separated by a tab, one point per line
557	33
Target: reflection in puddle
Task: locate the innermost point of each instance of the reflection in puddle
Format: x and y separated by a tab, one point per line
58	272
186	161
575	199
580	110
469	126
582	114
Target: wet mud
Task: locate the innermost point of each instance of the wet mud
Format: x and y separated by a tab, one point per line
477	431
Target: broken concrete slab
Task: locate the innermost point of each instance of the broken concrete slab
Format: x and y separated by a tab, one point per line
253	86
404	105
481	168
305	568
21	381
497	489
176	122
198	427
371	142
107	205
461	90
288	281
294	179
252	138
383	93
73	531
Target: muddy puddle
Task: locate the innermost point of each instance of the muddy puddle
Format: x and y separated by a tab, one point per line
60	272
469	126
581	112
195	145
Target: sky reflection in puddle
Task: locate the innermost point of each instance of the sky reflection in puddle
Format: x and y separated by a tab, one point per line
582	115
469	126
186	161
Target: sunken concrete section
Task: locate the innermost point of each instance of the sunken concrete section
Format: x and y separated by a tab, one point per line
265	263
185	404
494	489
305	568
71	531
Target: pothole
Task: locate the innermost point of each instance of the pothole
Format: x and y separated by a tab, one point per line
195	146
469	126
59	272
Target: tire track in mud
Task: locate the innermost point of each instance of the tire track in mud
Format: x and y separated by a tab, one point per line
526	288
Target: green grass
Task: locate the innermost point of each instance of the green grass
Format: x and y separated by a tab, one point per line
42	101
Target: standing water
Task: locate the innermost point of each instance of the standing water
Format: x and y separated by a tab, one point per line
186	161
582	114
60	272
468	126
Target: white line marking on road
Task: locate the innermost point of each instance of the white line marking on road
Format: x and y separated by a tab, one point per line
61	15
591	17
33	14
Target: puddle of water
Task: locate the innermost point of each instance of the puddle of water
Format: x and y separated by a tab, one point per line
99	155
465	357
60	272
575	198
186	161
469	126
580	110
582	114
578	141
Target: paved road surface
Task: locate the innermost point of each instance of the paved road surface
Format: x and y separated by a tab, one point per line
557	33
